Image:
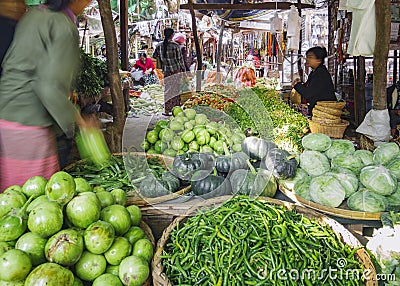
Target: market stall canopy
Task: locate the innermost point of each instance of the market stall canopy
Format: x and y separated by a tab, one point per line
239	10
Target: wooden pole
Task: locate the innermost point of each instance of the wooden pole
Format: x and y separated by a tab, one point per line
113	76
382	9
219	51
299	63
359	90
123	16
197	46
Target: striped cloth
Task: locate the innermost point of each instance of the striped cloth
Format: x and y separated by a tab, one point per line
26	151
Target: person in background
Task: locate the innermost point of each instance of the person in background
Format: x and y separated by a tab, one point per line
319	85
38	72
169	54
147	66
11	12
181	40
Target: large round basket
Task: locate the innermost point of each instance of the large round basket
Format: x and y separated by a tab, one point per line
332	104
332	130
149	234
134	197
160	278
342	211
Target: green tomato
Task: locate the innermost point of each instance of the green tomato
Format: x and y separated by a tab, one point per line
177	143
212	127
176	125
188	125
169	152
145	145
176	110
166	135
206	149
151	151
203	137
162	123
219	147
194	146
212	141
198	128
237	138
201	119
237	147
152	136
160	146
190	113
188	136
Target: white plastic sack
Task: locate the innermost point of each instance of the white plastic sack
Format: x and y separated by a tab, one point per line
376	126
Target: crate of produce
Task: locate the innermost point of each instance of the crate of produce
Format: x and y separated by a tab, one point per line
337	179
126	171
226	240
334	130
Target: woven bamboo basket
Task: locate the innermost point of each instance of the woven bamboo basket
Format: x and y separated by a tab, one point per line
332	104
323	114
150	236
160	278
134	197
326	120
332	130
329	110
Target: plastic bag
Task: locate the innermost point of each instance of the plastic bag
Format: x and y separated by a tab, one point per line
376	126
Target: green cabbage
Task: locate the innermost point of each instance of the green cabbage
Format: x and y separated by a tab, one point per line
393	201
326	190
302	188
289	183
340	146
314	163
386	152
347	179
379	180
366	157
366	201
394	167
348	161
316	142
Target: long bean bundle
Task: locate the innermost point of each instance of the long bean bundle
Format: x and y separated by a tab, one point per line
251	242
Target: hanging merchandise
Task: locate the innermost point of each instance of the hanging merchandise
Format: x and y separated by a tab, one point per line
363	31
342	4
293	29
276	24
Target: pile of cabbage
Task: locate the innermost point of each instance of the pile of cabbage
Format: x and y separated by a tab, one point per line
332	171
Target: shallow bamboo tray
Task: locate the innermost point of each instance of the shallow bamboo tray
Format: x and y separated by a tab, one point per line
160	278
342	211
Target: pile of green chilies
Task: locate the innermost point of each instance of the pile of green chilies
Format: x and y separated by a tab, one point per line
251	242
120	173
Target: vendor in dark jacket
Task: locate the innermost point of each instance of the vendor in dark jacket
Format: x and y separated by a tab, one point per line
319	85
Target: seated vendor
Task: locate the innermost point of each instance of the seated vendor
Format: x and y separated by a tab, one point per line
147	66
